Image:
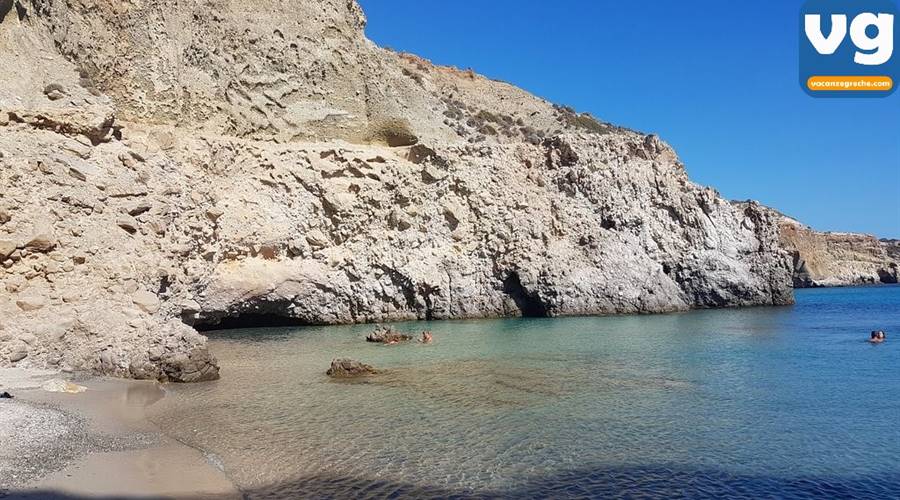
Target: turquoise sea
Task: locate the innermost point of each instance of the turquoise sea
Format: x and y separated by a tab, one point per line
786	402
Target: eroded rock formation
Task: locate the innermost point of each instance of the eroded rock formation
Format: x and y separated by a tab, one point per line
834	259
167	164
824	259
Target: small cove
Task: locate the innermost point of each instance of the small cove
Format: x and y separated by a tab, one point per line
786	401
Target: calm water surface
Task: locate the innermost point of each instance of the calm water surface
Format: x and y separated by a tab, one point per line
768	402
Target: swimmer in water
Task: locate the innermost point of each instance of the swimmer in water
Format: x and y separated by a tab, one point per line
426	337
877	337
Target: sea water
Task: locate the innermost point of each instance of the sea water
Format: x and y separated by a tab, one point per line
761	402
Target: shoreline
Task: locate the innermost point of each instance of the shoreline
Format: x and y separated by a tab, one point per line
96	443
270	436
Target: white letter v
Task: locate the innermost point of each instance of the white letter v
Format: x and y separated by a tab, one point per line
826	46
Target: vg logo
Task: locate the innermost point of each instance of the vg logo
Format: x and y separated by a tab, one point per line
847	48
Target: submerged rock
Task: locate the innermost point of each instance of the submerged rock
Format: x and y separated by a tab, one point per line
59	385
349	368
387	335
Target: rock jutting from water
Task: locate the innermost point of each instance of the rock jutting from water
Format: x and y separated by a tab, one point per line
387	335
166	166
349	368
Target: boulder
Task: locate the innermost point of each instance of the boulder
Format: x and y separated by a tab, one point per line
349	368
317	239
189	362
139	208
7	247
128	223
387	335
41	242
54	91
18	352
77	174
28	337
31	302
214	214
146	301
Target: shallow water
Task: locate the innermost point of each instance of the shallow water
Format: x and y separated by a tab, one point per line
785	402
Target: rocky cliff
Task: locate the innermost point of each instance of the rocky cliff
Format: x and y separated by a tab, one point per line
171	165
832	259
839	259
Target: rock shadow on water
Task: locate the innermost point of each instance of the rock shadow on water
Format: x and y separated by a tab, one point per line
650	482
605	373
479	383
254	335
489	385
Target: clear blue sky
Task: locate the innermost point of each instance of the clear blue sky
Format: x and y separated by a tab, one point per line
725	95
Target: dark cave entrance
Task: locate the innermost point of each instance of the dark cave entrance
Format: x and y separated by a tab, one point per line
529	304
888	277
243	322
249	315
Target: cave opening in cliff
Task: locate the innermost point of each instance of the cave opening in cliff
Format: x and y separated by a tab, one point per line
257	318
888	277
529	304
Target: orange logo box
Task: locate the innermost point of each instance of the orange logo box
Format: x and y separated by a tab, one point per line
850	83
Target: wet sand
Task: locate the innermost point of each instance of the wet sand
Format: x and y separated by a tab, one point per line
95	444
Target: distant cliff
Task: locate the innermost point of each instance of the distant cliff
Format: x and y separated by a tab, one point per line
892	248
826	259
838	259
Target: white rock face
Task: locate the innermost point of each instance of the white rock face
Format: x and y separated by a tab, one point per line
263	157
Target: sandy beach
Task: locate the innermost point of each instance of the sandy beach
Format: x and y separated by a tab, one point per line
95	444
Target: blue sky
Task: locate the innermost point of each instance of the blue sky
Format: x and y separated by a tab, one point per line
718	80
